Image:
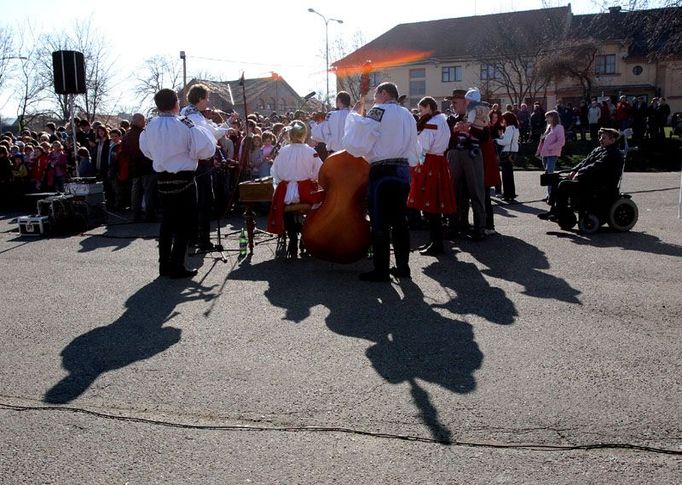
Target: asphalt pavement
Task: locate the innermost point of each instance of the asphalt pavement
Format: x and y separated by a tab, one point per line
535	356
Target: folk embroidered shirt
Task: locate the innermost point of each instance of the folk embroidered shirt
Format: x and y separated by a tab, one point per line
295	162
331	130
176	144
435	136
387	131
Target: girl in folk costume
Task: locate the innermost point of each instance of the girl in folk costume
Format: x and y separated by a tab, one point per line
431	190
294	172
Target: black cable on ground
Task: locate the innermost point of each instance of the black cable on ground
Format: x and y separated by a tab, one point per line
334	429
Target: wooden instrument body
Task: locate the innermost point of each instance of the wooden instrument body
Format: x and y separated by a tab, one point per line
338	231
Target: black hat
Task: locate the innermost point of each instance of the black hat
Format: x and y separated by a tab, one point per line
456	94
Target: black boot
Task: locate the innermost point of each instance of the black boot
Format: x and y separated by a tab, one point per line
380	257
436	233
401	244
292	235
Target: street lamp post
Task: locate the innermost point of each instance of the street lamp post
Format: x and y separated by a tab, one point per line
326	45
184	70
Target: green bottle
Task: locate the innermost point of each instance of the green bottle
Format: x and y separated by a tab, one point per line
243	244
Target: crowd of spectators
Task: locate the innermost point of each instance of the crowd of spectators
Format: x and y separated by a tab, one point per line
647	120
44	161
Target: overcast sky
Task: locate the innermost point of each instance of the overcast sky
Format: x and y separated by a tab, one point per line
227	37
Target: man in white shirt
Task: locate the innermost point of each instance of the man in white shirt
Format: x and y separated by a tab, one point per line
198	98
387	137
330	131
175	145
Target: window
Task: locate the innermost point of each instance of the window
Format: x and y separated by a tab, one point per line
451	74
417	82
374	79
418	88
637	70
489	72
605	64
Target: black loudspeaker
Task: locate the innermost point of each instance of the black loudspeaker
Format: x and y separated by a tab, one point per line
69	72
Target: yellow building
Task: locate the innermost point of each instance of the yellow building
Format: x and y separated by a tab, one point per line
545	55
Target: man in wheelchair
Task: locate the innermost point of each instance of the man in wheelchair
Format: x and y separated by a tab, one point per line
595	179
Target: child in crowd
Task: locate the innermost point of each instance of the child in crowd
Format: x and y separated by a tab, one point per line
40	165
85	168
268	145
257	162
58	165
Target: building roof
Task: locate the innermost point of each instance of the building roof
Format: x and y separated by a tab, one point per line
446	38
649	32
255	88
655	32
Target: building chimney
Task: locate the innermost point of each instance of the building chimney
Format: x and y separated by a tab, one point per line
614	9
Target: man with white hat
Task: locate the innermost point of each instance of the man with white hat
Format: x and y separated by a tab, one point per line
466	161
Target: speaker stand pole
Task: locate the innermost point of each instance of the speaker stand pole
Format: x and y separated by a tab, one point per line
71	100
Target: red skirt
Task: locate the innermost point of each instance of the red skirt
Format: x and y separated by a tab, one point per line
308	192
431	188
491	164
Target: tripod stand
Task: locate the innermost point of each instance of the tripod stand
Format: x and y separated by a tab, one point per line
216	250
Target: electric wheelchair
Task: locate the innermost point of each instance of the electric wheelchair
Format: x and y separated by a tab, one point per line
605	205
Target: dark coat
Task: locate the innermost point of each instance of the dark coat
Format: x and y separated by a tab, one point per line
602	168
138	164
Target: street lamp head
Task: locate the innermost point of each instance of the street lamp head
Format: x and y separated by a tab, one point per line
337	20
311	10
182	54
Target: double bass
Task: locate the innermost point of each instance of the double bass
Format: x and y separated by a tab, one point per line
338	231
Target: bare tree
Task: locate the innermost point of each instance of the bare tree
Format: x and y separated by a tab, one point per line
31	87
576	60
517	58
6	53
156	73
347	79
81	37
98	67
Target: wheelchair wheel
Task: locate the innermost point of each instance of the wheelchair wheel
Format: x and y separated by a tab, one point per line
567	220
623	214
588	223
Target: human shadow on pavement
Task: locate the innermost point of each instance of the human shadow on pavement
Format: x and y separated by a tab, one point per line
117	236
471	294
410	341
630	241
511	210
515	260
138	334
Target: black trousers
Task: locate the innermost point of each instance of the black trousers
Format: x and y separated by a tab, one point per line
205	199
507	168
178	221
389	186
568	189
